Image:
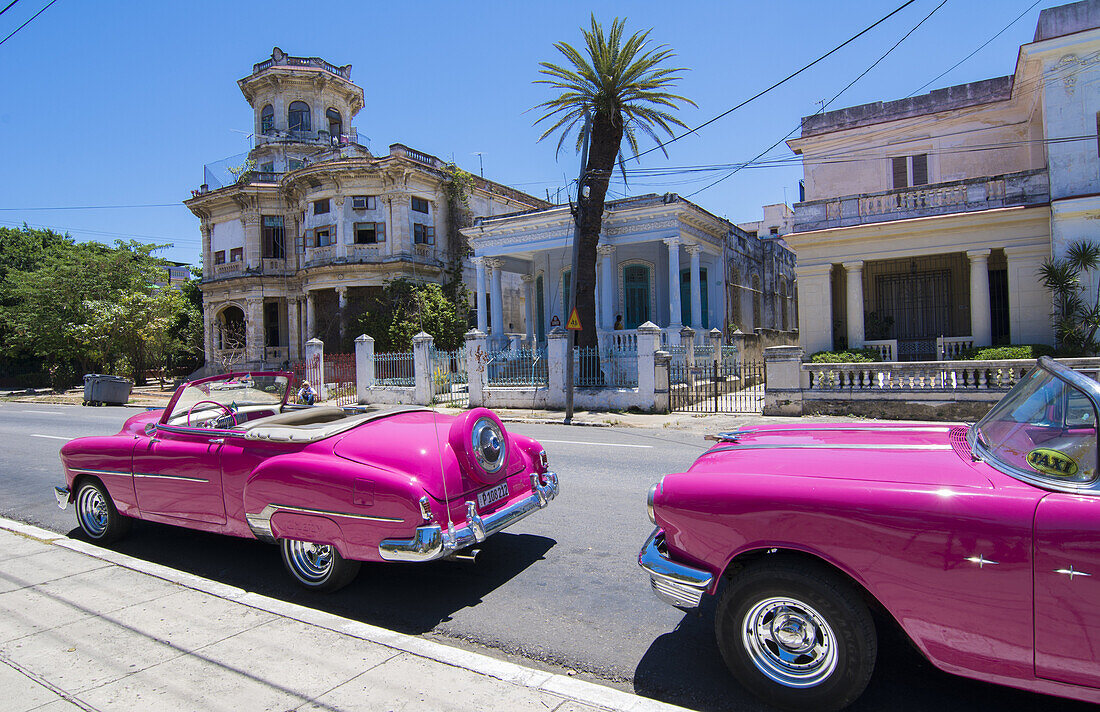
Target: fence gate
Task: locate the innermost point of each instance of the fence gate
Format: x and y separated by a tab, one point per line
450	382
340	379
716	387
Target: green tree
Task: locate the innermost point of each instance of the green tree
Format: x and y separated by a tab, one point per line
401	310
623	86
1076	298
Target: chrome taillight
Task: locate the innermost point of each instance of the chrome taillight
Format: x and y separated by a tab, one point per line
544	461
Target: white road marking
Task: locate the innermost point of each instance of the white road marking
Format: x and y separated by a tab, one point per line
51	437
47	412
577	442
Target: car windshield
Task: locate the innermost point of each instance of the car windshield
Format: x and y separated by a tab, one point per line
1044	428
208	402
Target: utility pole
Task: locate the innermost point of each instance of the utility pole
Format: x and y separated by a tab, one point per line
578	217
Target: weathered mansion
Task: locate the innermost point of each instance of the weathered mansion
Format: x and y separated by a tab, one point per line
312	221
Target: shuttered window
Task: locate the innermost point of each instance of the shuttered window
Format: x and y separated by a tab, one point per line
901	172
920	169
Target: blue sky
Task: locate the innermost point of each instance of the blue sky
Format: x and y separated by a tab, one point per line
121	103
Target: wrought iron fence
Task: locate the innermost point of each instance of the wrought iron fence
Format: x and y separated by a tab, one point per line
450	380
517	367
340	380
713	387
607	368
394	369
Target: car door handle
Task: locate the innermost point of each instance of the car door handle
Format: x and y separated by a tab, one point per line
216	441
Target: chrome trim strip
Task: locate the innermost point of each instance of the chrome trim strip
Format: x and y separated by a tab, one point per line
676	584
84	471
151	476
432	542
61	494
827	426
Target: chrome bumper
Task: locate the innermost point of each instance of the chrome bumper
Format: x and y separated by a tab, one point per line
434	542
61	494
675	584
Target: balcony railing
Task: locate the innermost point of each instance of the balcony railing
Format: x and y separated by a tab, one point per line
316	62
961	196
320	136
228	269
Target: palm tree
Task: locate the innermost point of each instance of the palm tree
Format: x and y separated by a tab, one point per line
1075	320
623	88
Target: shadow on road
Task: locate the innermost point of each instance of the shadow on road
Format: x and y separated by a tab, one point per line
684	667
409	598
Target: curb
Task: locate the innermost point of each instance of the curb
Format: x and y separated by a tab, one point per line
581	691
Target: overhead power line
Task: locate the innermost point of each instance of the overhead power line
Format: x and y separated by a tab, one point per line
121	235
27	22
8	7
979	49
784	80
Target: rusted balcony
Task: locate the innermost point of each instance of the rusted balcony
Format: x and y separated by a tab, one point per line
961	196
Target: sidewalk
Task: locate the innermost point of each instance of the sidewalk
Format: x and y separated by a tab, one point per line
85	628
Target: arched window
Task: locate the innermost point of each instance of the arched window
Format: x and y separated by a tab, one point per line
231	332
783	303
267	119
335	123
298	116
756	323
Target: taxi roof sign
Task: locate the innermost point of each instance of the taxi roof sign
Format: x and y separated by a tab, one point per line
574	322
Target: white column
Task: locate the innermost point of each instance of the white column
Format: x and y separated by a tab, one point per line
981	325
311	316
496	303
482	313
254	330
607	291
673	281
696	293
292	337
208	332
528	306
815	307
854	272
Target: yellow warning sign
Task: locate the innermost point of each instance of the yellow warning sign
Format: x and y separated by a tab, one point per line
574	322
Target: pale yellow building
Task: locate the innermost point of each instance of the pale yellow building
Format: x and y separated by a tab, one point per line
926	219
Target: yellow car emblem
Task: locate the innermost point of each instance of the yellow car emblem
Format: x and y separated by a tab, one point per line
1052	462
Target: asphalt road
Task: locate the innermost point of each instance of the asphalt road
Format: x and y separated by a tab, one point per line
561	589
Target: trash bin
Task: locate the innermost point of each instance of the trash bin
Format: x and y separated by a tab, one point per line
105	390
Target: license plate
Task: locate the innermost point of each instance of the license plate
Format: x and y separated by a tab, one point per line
489	496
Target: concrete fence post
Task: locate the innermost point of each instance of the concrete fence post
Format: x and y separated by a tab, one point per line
714	336
661	397
783	371
557	350
364	367
315	367
649	343
477	354
687	340
422	368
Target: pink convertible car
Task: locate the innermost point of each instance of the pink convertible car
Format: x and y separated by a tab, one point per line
981	543
227	455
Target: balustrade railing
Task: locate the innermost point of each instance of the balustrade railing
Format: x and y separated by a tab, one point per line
916	375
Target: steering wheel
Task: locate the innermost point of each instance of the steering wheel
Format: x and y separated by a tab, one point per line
209	424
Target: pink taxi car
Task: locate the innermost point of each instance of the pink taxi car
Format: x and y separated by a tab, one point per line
228	455
981	543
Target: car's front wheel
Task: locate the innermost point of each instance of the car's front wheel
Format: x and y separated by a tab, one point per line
97	515
796	635
318	567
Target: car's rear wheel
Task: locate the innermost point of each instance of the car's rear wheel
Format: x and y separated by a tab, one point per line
97	515
318	567
796	635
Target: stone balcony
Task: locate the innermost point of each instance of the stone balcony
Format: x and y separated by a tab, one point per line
1025	188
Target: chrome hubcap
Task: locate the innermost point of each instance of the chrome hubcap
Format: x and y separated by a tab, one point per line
92	510
312	562
789	642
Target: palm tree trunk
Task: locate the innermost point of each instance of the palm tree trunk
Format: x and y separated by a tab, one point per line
607	134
